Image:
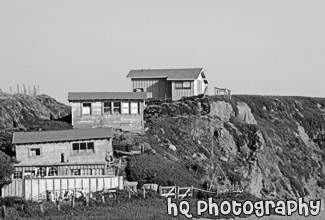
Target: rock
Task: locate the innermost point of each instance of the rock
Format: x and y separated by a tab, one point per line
146	146
223	159
162	131
157	138
146	129
222	109
172	147
199	156
171	157
245	113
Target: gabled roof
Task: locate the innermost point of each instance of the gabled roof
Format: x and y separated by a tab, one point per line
170	74
84	96
62	135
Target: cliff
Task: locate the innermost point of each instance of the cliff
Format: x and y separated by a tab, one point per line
269	146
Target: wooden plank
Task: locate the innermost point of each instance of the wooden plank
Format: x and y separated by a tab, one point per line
107	183
100	183
85	183
93	184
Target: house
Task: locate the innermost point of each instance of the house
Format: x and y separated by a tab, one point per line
120	110
76	152
169	83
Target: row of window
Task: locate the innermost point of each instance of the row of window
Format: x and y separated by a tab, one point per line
113	108
77	148
53	171
41	172
83	147
183	85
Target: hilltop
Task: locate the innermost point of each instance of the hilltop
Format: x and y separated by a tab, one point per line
21	112
271	146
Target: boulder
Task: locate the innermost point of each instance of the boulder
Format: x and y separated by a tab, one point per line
245	113
222	109
172	147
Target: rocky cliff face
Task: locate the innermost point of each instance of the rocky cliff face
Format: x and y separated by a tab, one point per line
269	146
21	111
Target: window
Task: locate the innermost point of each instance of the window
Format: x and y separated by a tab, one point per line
107	108
75	172
83	147
183	85
186	85
178	85
134	108
125	108
117	108
86	172
29	173
86	108
53	171
41	172
18	175
35	152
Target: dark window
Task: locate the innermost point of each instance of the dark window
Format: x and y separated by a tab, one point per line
34	152
75	172
107	108
83	147
75	147
117	107
90	147
41	172
18	175
53	171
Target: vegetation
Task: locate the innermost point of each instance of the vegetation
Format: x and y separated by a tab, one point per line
6	169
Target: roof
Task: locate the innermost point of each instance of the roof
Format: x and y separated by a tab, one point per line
67	163
62	135
170	74
80	96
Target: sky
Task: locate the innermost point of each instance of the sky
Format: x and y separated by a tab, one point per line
264	47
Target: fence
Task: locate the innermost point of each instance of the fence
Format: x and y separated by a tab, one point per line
176	191
37	189
182	192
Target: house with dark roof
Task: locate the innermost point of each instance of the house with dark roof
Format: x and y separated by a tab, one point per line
76	152
119	110
169	83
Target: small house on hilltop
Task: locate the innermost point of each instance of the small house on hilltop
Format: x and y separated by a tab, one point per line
78	152
169	83
119	110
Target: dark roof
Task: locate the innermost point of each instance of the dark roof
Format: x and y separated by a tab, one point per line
170	74
62	135
79	96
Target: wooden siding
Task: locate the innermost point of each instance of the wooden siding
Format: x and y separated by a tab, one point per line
155	87
179	93
127	122
51	152
36	189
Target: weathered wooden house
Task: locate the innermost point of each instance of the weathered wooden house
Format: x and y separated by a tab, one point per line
77	152
169	83
53	163
120	110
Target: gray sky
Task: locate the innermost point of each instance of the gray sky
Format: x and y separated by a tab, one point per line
251	47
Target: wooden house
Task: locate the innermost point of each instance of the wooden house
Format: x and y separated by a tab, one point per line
120	110
77	152
169	83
